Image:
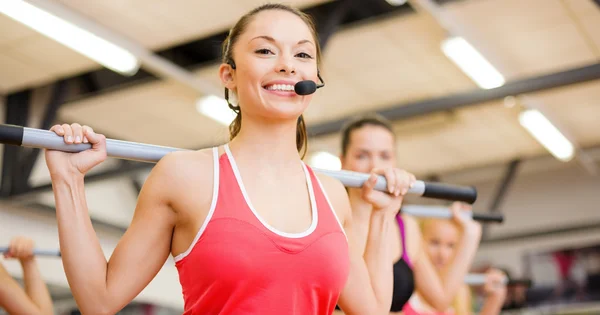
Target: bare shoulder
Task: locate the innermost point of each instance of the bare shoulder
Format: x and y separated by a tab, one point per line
181	163
336	192
178	172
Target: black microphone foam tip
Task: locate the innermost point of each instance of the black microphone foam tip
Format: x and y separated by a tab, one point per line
305	87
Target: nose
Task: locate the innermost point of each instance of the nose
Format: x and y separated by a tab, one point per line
372	163
377	162
285	65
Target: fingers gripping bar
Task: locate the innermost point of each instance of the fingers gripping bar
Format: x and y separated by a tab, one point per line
44	139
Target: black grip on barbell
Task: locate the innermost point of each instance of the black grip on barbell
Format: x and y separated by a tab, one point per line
488	217
11	134
466	194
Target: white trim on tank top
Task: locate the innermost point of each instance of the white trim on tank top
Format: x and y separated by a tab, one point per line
331	206
213	205
313	205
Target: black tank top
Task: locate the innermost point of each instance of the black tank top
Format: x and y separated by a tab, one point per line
404	280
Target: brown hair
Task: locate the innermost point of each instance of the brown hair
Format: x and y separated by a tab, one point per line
234	34
361	121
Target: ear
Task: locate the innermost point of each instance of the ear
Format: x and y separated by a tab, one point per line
226	74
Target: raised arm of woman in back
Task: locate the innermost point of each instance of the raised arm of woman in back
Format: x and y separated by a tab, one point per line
438	291
35	298
98	286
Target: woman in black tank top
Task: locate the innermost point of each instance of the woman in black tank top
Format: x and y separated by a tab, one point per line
369	142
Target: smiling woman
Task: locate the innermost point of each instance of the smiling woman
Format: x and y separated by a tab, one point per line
265	49
251	227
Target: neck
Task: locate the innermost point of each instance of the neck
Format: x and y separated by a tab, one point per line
266	143
361	209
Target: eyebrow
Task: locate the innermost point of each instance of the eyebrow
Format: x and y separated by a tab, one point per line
271	39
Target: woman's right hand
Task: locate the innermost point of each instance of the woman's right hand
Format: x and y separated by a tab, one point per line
64	164
494	284
469	226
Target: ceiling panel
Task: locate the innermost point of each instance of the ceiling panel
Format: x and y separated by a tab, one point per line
50	57
536	36
342	95
15	74
12	31
418	39
161	113
577	109
591	24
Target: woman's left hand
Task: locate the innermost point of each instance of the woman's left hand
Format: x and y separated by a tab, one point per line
398	184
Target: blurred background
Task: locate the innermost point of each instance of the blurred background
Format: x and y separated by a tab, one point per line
503	95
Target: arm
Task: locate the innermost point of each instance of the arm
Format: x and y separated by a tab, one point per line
369	286
465	301
98	286
102	287
495	292
36	287
36	296
15	300
439	293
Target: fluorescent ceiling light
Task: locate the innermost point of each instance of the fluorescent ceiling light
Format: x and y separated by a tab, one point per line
472	63
547	134
98	49
325	160
216	108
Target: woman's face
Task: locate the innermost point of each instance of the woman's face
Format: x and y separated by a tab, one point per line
273	53
441	237
370	147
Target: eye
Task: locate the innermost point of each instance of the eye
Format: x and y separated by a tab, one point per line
263	51
304	55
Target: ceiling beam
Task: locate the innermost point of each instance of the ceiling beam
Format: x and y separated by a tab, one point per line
501	193
471	98
59	94
550	232
17	112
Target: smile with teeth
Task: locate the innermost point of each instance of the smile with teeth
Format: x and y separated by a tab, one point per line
280	87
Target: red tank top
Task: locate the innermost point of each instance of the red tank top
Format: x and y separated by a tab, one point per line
238	264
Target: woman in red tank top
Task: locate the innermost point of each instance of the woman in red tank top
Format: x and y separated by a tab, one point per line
253	230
